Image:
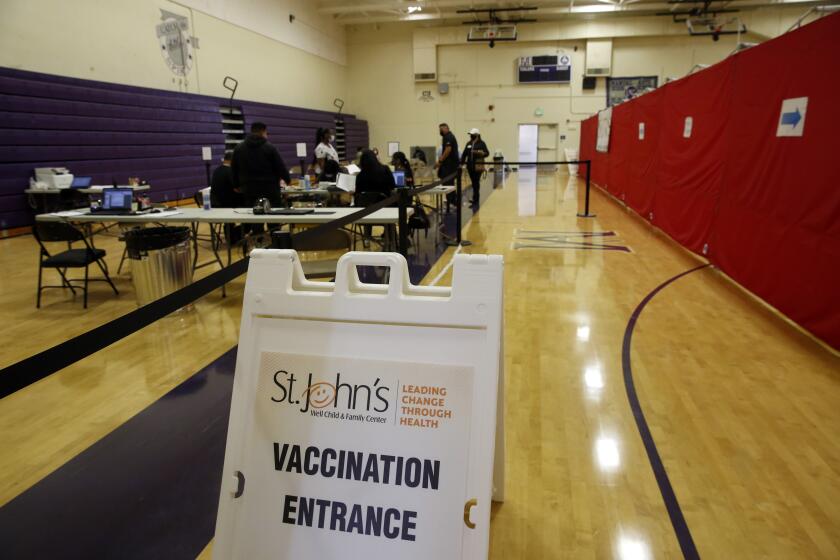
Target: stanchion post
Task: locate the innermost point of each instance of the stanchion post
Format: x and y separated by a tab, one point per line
458	212
586	213
404	201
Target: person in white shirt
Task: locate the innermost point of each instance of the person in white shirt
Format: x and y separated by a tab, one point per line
325	152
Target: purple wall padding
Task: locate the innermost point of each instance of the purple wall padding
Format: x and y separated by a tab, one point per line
113	131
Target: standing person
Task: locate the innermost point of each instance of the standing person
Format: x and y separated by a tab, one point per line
257	168
474	154
326	156
447	163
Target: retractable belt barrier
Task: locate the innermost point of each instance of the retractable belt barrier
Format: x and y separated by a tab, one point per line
41	365
586	162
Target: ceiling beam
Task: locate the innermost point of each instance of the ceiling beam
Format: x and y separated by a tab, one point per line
628	8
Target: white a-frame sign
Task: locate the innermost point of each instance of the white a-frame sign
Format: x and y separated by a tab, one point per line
363	420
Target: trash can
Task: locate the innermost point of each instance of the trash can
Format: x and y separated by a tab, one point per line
498	170
161	261
572	155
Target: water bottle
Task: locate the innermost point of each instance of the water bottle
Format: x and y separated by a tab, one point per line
205	199
307	184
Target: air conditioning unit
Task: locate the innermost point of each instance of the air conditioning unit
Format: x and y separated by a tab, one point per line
425	77
598	57
488	33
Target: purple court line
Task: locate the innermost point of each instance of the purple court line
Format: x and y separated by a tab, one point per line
576	246
689	549
571	233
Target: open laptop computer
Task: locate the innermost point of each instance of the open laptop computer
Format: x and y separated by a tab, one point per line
81	182
399	178
115	201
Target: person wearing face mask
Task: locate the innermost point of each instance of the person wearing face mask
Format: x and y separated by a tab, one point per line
447	163
326	156
473	156
257	169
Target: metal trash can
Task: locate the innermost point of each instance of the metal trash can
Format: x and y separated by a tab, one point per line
498	170
161	261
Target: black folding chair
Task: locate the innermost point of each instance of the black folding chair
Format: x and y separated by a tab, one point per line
364	199
47	232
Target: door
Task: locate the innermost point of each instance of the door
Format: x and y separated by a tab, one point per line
528	142
547	143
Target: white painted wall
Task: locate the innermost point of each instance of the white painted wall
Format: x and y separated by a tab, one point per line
311	32
115	41
382	88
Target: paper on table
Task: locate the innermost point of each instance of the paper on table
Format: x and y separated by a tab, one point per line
346	182
353	169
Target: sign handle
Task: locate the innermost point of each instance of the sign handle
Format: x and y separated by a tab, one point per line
346	279
467	508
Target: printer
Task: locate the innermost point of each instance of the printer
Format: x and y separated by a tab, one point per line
53	178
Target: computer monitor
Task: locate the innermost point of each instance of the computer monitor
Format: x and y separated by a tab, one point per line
117	199
399	178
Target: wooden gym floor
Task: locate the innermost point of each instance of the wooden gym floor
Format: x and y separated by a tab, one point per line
742	408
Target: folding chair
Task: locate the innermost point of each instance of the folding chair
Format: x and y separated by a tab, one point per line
46	232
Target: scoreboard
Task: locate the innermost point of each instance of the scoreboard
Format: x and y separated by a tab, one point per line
546	69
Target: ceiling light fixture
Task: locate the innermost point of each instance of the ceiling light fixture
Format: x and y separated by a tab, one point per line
414	9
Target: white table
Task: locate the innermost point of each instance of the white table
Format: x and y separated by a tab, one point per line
215	216
383	216
438	193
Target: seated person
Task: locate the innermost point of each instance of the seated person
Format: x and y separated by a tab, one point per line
222	192
224	195
374	177
400	163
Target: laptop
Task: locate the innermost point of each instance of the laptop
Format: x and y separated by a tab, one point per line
399	178
115	201
81	182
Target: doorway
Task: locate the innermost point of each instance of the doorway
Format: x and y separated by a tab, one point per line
528	142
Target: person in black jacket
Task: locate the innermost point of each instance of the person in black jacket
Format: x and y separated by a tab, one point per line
224	195
222	192
373	178
258	170
474	154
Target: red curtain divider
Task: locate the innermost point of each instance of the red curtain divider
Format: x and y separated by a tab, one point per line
691	169
764	209
644	173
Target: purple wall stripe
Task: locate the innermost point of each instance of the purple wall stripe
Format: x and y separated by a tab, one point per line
113	131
